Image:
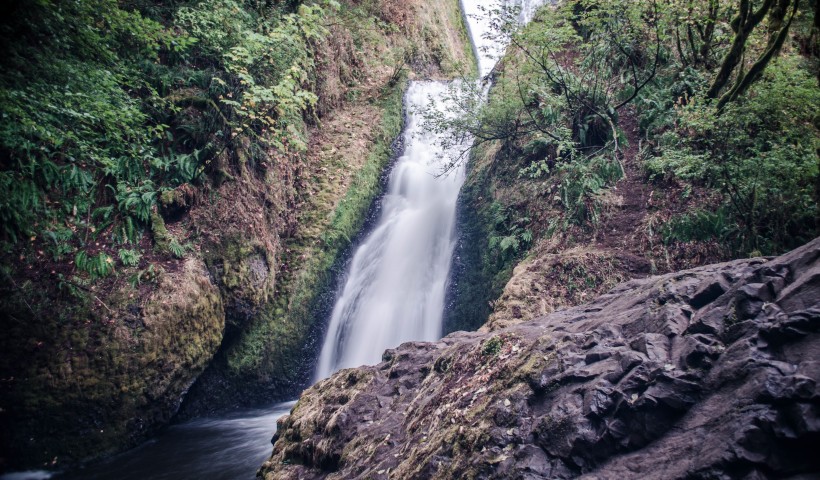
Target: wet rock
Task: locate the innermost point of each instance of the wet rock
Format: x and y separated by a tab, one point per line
709	373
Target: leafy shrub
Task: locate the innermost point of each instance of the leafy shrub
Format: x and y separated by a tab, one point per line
656	103
759	153
58	241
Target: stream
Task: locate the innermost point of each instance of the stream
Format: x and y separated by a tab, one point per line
231	447
392	292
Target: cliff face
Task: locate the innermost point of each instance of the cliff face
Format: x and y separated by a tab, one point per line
88	368
707	373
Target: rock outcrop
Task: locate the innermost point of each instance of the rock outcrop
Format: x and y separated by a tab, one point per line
707	373
89	384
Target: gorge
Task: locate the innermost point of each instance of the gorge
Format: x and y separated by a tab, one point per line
421	239
393	291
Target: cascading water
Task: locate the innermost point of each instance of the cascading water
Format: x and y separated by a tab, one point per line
395	286
480	18
394	289
394	292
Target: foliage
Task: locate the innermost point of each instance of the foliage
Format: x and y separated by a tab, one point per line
104	108
780	15
759	153
492	346
510	235
581	183
570	72
556	99
750	134
129	257
699	225
97	266
674	87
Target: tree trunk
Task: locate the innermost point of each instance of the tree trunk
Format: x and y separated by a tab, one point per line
745	23
778	34
709	32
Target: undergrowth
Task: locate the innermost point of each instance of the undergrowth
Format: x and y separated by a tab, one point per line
759	155
108	107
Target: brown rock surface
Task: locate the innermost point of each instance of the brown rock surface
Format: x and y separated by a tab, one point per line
707	373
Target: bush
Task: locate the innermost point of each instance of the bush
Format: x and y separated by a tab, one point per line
760	154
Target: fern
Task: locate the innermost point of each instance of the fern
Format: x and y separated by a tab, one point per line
176	249
582	182
509	236
137	201
59	242
97	266
509	243
129	258
700	225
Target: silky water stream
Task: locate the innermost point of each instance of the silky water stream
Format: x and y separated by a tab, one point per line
394	288
392	292
395	284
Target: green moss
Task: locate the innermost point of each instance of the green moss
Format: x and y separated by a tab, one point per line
492	346
457	18
162	239
80	384
271	346
169	197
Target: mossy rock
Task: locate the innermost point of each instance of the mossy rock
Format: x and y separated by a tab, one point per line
102	382
245	272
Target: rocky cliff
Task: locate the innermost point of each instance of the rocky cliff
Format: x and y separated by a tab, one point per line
92	366
707	373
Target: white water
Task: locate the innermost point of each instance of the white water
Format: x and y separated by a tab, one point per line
395	286
396	283
480	16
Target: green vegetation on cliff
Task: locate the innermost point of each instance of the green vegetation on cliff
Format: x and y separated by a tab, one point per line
109	107
657	135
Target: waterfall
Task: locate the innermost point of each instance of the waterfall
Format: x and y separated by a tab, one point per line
394	288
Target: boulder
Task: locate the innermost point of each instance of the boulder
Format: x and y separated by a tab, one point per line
707	373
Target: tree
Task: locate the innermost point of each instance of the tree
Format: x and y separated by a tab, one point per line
565	77
744	23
